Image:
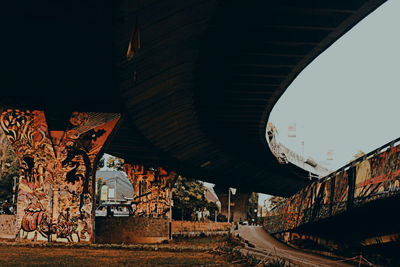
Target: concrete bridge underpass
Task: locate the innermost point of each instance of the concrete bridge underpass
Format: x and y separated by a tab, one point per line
186	85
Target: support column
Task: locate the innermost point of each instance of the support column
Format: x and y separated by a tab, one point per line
151	189
55	197
239	204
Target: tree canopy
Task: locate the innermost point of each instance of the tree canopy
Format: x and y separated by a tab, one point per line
112	162
9	168
188	196
252	207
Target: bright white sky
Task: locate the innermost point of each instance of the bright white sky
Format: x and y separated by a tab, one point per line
348	98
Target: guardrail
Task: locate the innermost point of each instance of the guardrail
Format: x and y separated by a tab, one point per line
373	176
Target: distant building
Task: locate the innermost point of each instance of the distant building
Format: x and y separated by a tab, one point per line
210	194
116	187
285	155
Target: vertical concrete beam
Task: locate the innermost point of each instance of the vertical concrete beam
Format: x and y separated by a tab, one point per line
239	203
55	197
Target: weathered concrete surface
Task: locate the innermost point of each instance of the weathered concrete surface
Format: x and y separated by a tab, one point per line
238	206
7	226
202	227
131	230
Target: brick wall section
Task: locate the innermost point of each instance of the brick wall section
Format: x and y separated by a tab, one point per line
189	226
7	226
131	230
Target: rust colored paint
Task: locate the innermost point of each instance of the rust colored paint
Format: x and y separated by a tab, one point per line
374	177
55	190
379	176
341	192
151	189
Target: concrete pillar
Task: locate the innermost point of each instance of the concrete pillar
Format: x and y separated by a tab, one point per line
151	189
56	189
239	204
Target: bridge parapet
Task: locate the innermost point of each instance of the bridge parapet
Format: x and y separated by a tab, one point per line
372	177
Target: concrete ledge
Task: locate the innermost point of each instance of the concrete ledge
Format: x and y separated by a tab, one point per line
196	226
196	234
131	230
7	226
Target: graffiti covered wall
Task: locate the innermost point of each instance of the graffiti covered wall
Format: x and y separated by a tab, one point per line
377	177
56	187
151	189
374	176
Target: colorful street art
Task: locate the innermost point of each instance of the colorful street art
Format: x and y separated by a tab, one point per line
151	189
374	176
56	186
341	193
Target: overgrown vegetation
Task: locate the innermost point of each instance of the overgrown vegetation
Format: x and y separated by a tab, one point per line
112	162
252	207
9	169
236	243
188	196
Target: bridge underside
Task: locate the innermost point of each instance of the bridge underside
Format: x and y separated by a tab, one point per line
195	80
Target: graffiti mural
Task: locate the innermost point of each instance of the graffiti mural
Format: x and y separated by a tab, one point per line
151	189
55	188
341	192
374	176
323	201
378	176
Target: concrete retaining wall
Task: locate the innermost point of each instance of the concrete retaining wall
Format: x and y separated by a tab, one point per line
7	226
200	227
131	230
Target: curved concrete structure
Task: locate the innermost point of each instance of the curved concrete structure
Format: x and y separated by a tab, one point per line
195	80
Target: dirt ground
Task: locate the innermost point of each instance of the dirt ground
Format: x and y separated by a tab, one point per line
185	252
28	256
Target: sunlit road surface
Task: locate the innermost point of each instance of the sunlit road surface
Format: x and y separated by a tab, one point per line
257	236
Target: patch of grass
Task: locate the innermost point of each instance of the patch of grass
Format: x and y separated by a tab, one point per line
278	263
104	257
203	239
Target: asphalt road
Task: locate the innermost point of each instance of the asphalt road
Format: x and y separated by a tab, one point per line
262	241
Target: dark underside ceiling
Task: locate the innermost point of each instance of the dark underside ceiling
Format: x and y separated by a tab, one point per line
198	93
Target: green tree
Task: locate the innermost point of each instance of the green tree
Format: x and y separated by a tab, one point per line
112	163
188	196
252	207
115	163
100	163
9	168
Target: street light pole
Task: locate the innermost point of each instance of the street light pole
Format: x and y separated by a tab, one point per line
229	204
14	188
115	189
170	215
